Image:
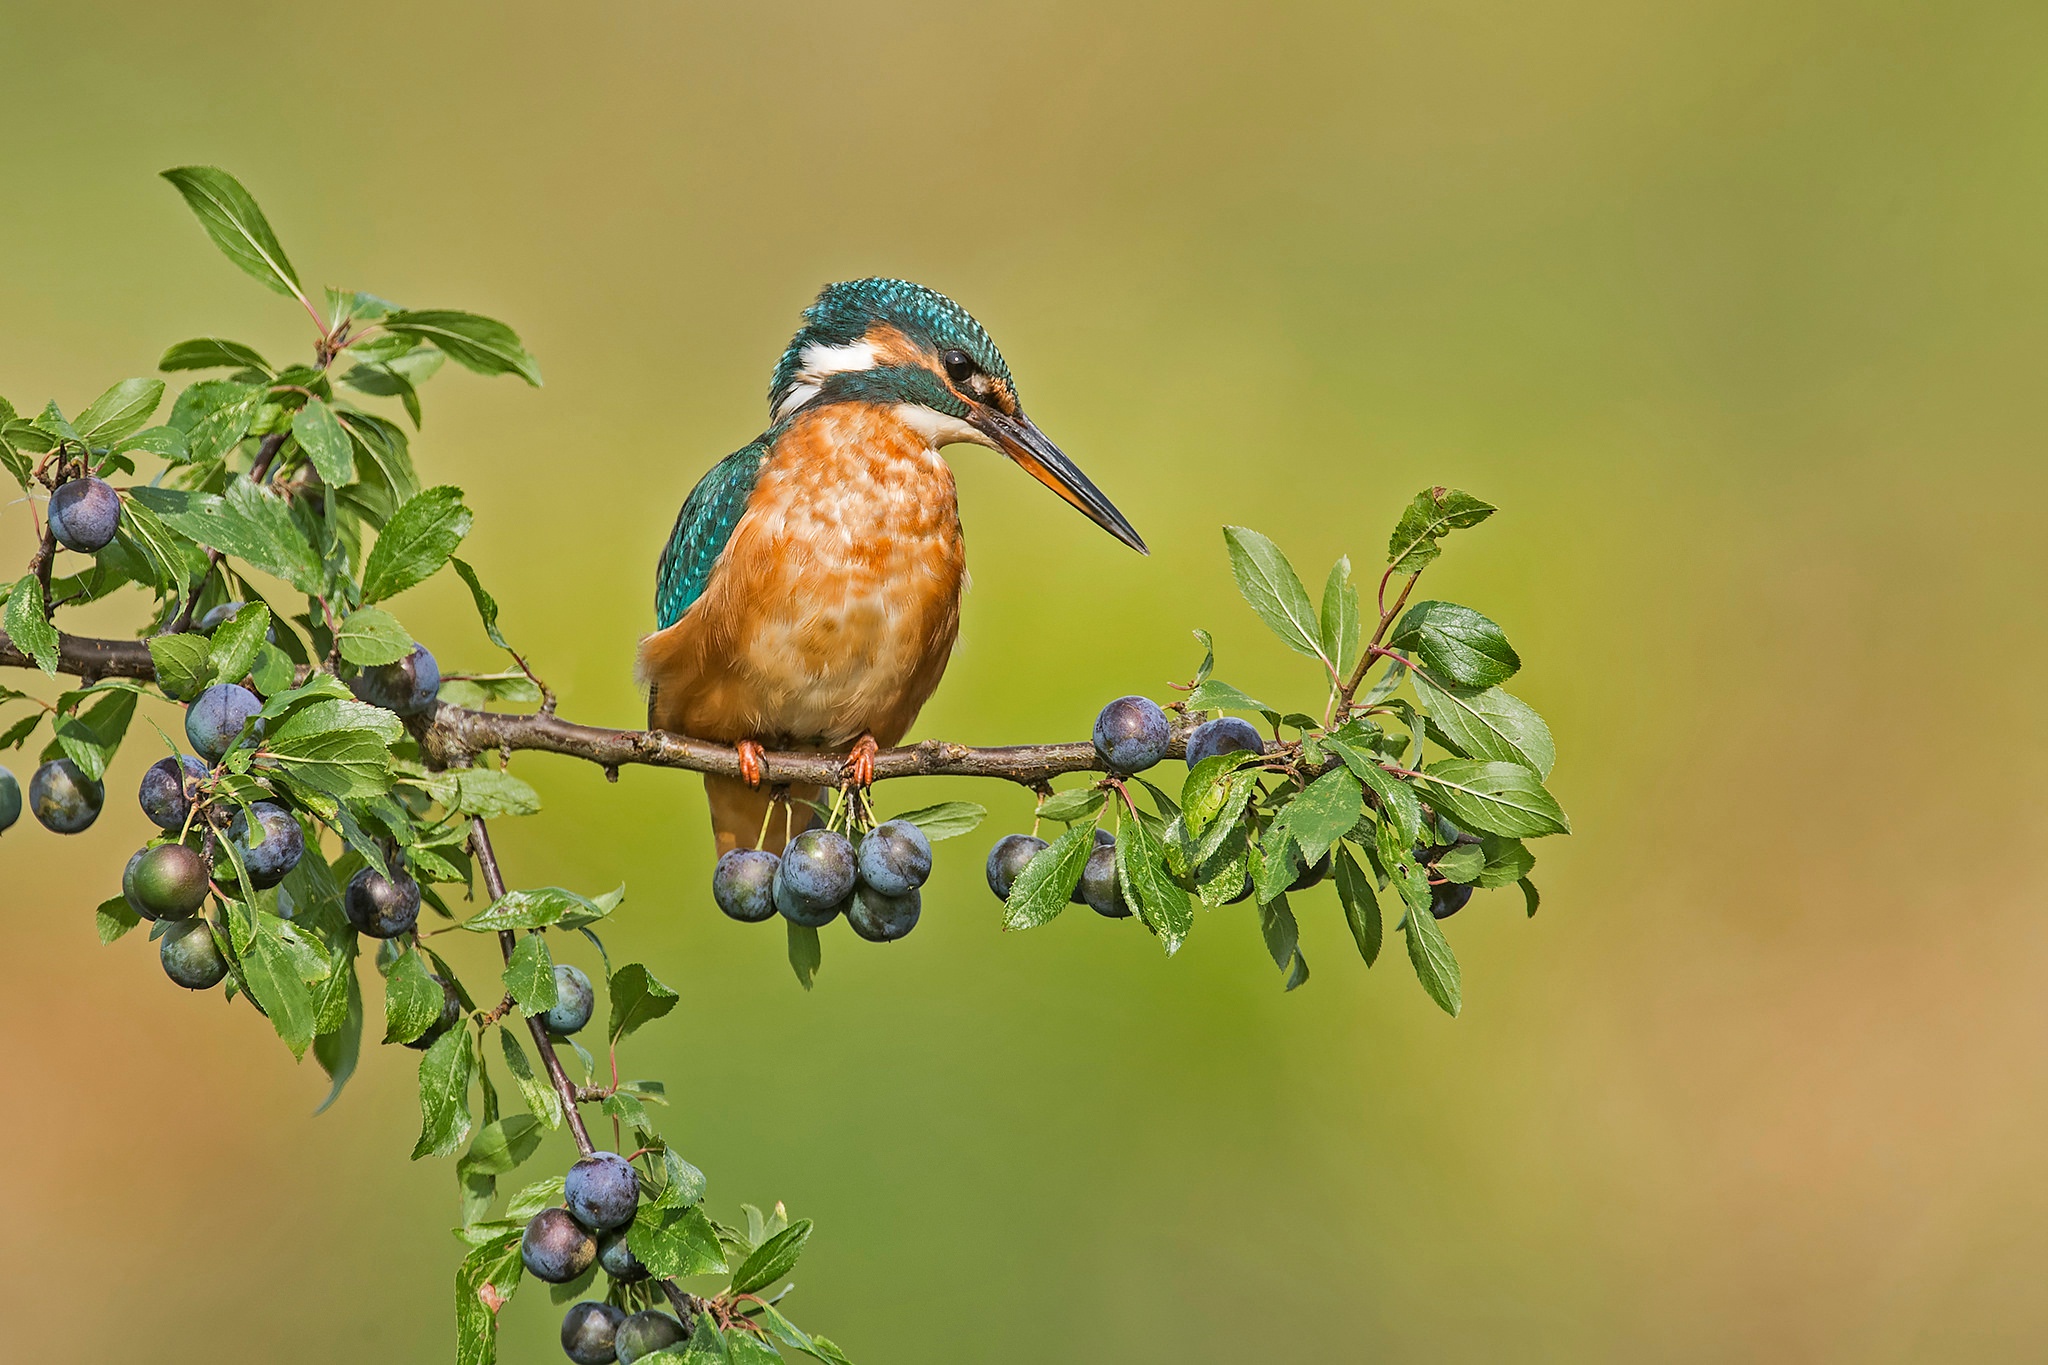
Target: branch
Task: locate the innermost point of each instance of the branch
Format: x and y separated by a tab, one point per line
456	734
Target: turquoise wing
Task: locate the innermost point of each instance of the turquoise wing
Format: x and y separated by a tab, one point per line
702	529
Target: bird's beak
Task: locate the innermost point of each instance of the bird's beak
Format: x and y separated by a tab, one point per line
1020	439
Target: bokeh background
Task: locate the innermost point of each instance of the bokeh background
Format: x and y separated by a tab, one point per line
1735	309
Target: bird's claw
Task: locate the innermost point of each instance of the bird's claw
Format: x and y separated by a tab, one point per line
753	759
860	764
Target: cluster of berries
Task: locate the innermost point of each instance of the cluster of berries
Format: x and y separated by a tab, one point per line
600	1196
821	875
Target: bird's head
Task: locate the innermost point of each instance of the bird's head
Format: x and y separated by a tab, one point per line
894	343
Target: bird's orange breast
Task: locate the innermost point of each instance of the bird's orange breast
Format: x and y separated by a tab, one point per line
836	603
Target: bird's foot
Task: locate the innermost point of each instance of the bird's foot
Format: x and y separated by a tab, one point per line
860	764
753	759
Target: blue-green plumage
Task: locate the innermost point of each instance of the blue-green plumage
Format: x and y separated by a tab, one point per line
844	313
703	527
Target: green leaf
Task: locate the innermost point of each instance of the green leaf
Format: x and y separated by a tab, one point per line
1397	798
637	998
675	1242
684	1182
489	793
1046	885
805	953
249	523
114	918
212	353
773	1259
479	690
946	819
413	1000
497	1264
236	225
121	411
445	1073
500	1147
1324	813
91	740
338	1049
1283	940
1531	895
486	605
1435	513
1213	695
420	537
1274	590
276	971
214	415
371	636
542	1099
1507	861
1361	906
1215	789
383	458
1460	863
18	733
1430	954
166	557
537	909
341	748
28	627
1456	643
1487	723
272	671
482	344
232	651
1141	872
745	1348
320	435
1494	798
165	442
1340	627
1069	806
530	975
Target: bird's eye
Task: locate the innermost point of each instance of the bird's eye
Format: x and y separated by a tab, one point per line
958	367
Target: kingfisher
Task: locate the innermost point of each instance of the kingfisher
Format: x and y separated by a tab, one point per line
809	595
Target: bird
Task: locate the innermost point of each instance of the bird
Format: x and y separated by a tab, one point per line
808	597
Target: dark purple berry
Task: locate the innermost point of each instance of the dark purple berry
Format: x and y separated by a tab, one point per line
167	882
191	957
1448	898
602	1191
408	687
574	1001
645	1333
380	906
451	1014
64	799
1131	734
1224	735
84	514
1103	838
743	884
883	919
556	1247
589	1333
1008	859
10	799
168	790
617	1258
895	858
815	877
1311	875
1100	890
277	844
214	720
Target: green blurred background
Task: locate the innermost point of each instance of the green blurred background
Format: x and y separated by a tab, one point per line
1736	310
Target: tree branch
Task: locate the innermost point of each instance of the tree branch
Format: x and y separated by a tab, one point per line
457	734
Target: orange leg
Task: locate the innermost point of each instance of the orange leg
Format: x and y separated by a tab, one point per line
860	764
752	757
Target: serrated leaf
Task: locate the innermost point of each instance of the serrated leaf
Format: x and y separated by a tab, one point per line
276	976
420	537
338	1049
237	226
114	918
341	748
486	605
495	1264
530	975
91	740
232	651
675	1242
773	1259
214	415
1141	872
1339	621
806	955
249	523
165	442
1213	695
535	909
1046	885
212	353
1435	513
1324	813
486	792
1460	863
1430	954
1269	583
542	1099
413	1000
1361	905
1457	644
637	998
500	1147
1487	723
1397	798
121	411
1069	806
477	343
26	625
1283	940
1494	798
946	819
319	433
445	1074
1507	861
370	636
684	1182
1530	895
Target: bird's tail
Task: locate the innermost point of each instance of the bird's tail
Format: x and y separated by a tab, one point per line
739	813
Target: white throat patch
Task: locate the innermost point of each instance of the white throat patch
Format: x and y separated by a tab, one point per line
820	362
